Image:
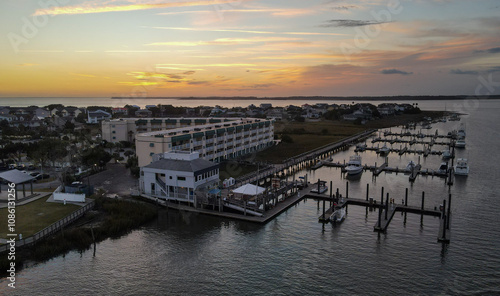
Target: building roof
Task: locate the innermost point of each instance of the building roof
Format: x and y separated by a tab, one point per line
195	165
249	189
16	176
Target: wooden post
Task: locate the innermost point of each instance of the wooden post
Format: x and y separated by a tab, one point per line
382	196
347	189
337	196
324	209
367	190
449	210
444	219
406	197
331	193
318	185
380	213
386	205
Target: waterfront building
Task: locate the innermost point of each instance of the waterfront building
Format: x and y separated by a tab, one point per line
179	175
97	116
125	129
216	141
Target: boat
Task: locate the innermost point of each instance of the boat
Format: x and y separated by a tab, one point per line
322	188
338	215
354	165
384	150
461	131
446	154
460	143
411	166
443	168
427	126
360	147
462	168
317	165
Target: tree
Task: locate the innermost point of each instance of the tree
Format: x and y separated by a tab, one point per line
15	150
95	157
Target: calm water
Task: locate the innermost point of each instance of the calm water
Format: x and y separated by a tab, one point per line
187	254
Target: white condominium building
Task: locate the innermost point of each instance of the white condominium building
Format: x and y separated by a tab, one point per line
125	129
215	141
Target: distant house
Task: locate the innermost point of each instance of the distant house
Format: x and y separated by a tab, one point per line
72	111
4	111
150	106
119	110
358	114
266	106
97	116
143	113
41	113
8	117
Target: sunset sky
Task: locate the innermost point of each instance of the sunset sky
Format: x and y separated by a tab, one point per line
128	48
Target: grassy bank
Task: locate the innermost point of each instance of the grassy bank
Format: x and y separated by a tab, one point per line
37	215
110	218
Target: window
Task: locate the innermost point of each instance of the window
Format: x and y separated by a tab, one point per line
114	138
113	132
151	154
112	125
151	144
170	177
179	178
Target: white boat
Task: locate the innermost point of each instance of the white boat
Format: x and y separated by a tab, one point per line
446	154
411	166
461	131
443	168
354	165
319	189
384	150
460	143
338	215
462	168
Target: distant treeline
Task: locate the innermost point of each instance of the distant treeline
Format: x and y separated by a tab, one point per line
324	98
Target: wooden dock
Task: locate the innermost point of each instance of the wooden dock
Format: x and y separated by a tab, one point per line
387	210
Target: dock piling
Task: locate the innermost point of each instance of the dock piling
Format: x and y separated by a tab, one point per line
367	190
386	205
449	211
346	189
406	197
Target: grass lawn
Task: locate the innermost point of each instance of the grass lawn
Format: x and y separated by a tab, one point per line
36	215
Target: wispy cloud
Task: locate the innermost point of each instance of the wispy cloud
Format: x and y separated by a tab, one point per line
350	23
249	31
100	7
461	72
28	65
395	71
225	41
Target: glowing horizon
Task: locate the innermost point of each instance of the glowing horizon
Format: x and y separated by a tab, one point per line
160	48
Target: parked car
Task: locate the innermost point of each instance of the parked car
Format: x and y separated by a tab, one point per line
42	176
34	174
31	167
